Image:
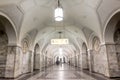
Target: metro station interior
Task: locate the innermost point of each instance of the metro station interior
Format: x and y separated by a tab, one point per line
59	39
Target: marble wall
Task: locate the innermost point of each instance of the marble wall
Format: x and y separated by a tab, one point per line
105	61
100	61
17	62
13	63
25	62
118	55
98	58
112	60
36	60
31	61
85	61
90	60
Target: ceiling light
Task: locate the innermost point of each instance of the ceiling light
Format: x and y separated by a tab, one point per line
58	13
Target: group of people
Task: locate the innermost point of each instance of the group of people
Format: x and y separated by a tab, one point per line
57	62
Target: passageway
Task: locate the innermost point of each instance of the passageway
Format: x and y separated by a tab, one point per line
82	35
66	72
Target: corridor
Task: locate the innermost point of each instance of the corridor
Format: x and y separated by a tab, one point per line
37	34
65	72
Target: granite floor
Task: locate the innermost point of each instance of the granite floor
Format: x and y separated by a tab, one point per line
66	72
62	72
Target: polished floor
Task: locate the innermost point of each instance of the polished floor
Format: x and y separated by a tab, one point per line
66	72
62	72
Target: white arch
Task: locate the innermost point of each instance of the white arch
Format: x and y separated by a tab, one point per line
10	29
91	40
84	47
109	28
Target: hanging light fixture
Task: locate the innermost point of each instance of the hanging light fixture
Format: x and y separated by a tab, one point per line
58	13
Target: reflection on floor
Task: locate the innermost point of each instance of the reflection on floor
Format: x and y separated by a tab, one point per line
65	72
62	72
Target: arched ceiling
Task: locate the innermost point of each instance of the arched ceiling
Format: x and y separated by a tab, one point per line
80	20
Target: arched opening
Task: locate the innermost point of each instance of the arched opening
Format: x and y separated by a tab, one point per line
3	50
117	42
36	65
110	28
85	62
9	29
7	37
112	40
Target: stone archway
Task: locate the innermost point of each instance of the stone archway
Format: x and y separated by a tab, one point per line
36	62
10	30
85	62
8	48
117	42
111	38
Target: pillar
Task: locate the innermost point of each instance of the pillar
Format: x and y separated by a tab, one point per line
112	60
13	62
90	60
31	61
84	61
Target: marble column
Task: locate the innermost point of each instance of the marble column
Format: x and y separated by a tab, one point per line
31	61
41	62
98	61
78	61
46	63
75	60
13	62
84	61
90	60
112	60
37	61
104	61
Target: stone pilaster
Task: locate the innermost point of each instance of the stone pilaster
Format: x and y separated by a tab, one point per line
112	60
84	61
40	62
31	61
36	61
46	61
90	60
75	61
103	61
13	62
98	61
78	61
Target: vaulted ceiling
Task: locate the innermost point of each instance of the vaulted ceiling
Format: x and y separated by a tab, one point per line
36	19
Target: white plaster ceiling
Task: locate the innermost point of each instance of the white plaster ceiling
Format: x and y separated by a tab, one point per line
80	19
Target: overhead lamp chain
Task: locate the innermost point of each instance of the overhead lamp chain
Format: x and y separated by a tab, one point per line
60	34
59	3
